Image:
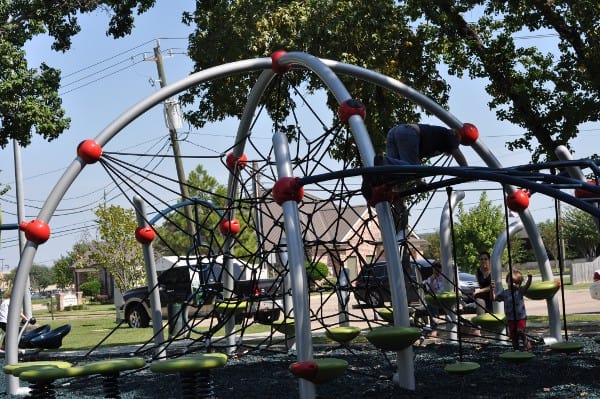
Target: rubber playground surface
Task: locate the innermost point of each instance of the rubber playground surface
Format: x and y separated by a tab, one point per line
549	374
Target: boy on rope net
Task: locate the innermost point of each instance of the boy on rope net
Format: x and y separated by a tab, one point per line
409	144
514	307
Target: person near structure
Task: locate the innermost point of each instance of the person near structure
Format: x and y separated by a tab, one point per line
4	315
514	307
483	294
409	144
433	285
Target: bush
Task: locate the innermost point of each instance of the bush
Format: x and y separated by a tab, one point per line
91	288
316	271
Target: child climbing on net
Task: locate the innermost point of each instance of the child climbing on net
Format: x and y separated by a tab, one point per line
514	307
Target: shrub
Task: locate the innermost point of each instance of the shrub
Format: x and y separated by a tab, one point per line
91	288
316	271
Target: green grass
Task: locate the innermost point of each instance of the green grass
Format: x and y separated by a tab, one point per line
96	322
574	318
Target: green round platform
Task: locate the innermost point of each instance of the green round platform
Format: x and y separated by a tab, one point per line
319	371
446	299
386	314
517	356
495	322
111	366
342	334
187	364
231	306
49	373
285	326
16	368
101	367
567	347
542	289
461	368
393	338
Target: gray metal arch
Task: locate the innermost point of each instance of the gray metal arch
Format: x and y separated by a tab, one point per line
325	70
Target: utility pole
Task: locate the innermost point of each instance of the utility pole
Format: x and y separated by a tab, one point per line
185	194
174	309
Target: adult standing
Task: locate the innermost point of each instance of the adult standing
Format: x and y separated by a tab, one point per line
483	294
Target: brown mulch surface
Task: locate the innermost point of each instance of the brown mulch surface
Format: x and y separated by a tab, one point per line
265	375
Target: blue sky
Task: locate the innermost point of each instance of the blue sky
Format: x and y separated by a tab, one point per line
103	77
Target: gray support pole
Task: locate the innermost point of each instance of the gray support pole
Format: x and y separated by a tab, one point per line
446	257
152	281
297	270
343	296
27	309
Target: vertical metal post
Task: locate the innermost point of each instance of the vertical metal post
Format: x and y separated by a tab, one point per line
152	281
297	270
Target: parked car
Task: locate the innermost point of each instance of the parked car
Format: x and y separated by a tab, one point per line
199	290
595	287
372	286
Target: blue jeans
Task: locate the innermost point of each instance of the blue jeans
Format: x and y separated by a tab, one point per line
402	144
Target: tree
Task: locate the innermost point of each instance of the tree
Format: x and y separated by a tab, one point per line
547	94
40	278
63	267
477	230
581	232
172	231
117	251
91	288
29	98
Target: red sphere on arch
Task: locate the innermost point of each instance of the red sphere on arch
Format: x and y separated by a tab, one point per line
36	231
89	151
145	235
583	193
349	108
232	161
229	227
277	68
287	189
518	201
468	134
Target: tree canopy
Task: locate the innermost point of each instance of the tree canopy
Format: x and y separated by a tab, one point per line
581	232
548	94
476	230
117	251
29	99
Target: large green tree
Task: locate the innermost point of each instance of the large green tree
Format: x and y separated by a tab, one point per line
581	232
117	250
477	229
29	100
548	94
63	267
40	278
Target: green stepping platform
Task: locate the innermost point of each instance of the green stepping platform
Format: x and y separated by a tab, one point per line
446	299
461	368
393	338
342	334
542	289
319	371
285	326
517	356
231	306
490	321
42	376
190	364
17	368
567	347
